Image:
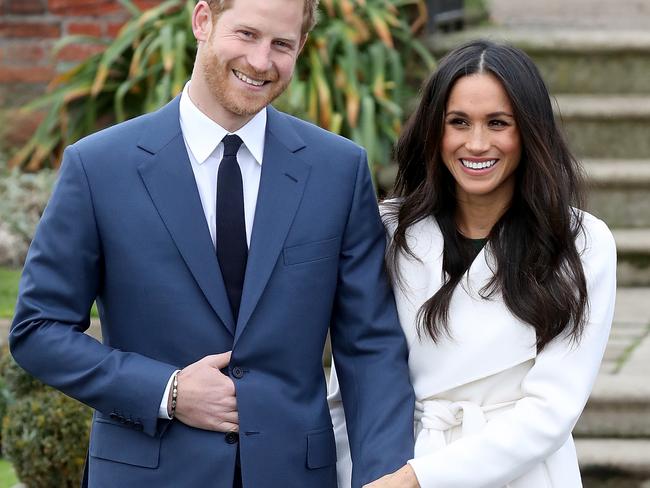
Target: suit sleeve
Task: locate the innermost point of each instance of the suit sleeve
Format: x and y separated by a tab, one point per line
369	346
61	279
554	393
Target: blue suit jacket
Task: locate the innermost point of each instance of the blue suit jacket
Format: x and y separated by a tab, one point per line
125	227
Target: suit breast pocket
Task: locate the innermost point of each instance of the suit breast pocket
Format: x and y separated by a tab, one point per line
312	251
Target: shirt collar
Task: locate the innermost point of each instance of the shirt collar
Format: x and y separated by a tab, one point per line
202	134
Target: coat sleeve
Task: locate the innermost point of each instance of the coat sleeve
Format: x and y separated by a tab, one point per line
369	346
61	279
554	393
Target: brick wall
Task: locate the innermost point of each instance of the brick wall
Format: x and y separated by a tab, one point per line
28	30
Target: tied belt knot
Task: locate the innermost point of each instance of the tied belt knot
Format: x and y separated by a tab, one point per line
438	416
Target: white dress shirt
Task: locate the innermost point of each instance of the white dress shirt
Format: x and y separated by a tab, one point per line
202	137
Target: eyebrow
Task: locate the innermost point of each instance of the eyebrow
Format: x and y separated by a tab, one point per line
489	116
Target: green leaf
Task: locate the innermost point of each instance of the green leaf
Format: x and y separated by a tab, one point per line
130	7
138	60
116	49
368	126
76	39
180	62
166	47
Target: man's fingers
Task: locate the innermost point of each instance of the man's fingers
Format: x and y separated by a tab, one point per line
228	404
227	427
228	420
218	361
231	417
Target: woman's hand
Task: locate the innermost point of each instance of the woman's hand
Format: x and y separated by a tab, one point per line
402	478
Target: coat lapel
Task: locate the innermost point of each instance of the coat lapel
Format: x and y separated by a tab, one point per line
168	177
282	184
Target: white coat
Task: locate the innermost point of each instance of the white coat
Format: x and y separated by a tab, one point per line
490	411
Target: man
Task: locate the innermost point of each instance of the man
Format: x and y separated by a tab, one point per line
218	267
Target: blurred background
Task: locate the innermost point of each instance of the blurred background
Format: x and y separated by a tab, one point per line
71	67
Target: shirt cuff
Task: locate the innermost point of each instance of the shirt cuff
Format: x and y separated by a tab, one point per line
162	411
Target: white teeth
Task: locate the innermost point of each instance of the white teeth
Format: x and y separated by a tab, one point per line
478	165
248	80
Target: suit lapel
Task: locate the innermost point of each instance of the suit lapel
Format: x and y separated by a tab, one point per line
169	179
282	184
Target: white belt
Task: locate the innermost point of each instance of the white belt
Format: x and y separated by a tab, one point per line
438	416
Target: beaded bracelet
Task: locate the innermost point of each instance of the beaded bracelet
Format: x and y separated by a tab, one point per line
174	395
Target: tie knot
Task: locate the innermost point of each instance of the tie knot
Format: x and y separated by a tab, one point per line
231	144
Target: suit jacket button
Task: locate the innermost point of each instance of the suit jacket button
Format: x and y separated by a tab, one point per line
238	372
114	416
138	425
232	437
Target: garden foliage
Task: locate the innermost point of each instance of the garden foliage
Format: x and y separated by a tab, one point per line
354	76
23	197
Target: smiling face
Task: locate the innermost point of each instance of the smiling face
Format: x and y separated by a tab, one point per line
246	58
481	144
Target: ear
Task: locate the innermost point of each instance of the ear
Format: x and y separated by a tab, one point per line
202	21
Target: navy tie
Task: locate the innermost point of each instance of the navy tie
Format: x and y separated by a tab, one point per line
232	250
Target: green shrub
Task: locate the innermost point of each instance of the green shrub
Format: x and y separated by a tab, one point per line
14	381
4	403
44	433
19	383
6	397
45	436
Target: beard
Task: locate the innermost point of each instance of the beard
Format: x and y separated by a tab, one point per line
222	84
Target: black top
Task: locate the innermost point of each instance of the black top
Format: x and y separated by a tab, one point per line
477	244
471	247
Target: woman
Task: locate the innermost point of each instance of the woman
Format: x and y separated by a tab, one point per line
504	289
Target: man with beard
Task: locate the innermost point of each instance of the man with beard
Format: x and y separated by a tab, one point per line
221	239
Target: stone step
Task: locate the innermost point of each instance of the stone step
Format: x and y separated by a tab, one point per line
619	191
633	247
574	61
609	173
614	463
573	14
619	406
606	126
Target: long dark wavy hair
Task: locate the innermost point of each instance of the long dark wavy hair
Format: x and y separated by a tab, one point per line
538	269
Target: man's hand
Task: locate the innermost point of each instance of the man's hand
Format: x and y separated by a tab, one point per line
206	397
402	478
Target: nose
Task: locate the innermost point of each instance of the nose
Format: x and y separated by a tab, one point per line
259	58
478	140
